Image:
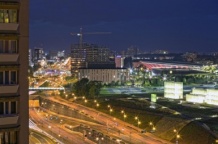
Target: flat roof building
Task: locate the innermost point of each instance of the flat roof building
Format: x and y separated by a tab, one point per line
199	95
104	75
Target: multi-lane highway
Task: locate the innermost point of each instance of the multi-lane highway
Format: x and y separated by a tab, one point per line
117	127
56	129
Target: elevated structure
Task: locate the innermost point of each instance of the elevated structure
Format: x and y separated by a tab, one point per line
46	88
14	46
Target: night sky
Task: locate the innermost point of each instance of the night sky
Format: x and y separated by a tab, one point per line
174	25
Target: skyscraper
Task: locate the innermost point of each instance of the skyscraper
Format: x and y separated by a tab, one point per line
90	56
14	36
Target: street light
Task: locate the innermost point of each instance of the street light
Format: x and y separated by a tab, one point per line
177	136
153	127
138	122
124	116
111	110
97	105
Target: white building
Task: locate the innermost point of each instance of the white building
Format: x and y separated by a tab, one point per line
173	90
104	75
209	96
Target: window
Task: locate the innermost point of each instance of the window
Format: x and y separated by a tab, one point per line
8	46
13	107
6	77
13	16
8	137
13	77
1	108
8	16
1	77
1	46
1	16
13	46
7	108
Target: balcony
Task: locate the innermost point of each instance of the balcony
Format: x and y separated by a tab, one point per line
12	58
8	120
9	26
8	89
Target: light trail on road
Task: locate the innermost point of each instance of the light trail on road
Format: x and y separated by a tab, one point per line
128	131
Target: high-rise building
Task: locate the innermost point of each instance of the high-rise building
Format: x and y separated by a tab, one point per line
78	58
119	61
14	37
38	54
90	56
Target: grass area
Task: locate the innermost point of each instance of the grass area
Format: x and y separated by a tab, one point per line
104	91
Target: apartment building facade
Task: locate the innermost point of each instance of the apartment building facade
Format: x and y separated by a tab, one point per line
105	76
14	37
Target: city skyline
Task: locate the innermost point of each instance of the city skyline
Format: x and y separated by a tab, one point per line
177	26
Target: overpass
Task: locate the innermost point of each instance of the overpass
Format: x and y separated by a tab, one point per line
45	88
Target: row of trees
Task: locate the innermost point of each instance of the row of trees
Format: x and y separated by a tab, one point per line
86	88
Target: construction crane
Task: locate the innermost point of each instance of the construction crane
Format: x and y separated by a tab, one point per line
81	33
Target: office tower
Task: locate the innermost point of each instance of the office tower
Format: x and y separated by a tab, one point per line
14	35
90	56
119	61
38	54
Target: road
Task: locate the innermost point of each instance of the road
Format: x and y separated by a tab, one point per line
38	138
57	130
123	129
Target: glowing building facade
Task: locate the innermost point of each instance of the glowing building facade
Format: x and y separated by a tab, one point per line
173	90
208	96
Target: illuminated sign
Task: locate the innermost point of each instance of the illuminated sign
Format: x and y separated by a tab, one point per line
153	97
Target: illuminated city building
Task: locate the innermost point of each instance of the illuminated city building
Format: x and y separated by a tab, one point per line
119	61
38	54
173	90
104	75
90	56
14	38
208	96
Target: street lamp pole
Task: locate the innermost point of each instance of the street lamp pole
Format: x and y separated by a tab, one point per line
177	136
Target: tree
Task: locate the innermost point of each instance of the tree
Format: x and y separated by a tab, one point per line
93	91
80	87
